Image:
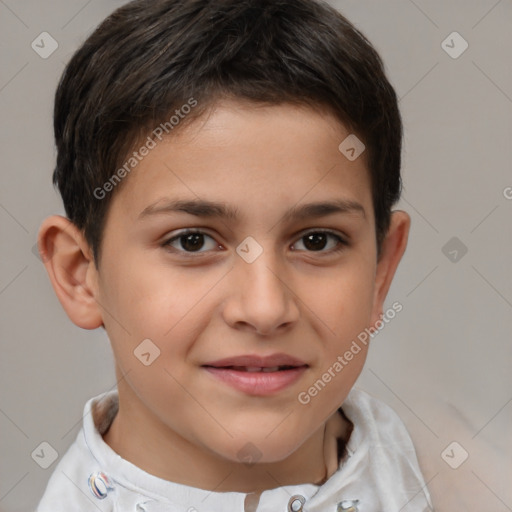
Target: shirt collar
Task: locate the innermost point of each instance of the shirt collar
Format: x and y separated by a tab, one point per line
98	415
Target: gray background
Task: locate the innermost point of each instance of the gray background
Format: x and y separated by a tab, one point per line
443	363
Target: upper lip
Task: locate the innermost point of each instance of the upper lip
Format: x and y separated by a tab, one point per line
257	361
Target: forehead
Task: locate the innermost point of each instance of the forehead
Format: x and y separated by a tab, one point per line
255	157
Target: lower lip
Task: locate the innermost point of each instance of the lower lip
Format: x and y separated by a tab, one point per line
257	383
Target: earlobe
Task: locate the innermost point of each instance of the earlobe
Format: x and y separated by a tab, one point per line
392	250
70	266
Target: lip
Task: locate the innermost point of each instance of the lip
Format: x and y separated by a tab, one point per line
257	360
257	383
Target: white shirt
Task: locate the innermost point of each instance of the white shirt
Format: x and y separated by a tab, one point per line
380	470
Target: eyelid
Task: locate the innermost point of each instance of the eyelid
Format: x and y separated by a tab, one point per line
324	230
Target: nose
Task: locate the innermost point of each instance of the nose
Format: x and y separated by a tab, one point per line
261	298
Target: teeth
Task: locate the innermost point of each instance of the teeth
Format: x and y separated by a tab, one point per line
255	369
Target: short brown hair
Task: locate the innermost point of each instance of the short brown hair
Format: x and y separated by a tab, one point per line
150	57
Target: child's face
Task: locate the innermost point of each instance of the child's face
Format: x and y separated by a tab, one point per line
202	303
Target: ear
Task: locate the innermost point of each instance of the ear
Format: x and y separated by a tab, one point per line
392	250
70	266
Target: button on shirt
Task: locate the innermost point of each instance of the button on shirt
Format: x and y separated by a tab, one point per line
379	473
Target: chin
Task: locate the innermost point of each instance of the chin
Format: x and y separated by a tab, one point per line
254	449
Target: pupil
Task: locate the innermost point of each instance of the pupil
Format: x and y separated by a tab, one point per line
192	242
315	241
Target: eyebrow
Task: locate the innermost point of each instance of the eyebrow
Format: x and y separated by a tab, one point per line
211	209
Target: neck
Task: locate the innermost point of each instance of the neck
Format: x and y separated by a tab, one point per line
140	438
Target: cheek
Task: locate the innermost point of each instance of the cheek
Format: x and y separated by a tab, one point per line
148	297
343	307
342	300
152	301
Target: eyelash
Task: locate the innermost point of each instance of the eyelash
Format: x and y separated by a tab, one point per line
342	243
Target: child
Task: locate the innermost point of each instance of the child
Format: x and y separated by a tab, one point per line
228	170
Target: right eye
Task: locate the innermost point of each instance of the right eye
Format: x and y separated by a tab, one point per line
190	241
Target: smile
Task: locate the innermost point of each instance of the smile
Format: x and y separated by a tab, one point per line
257	375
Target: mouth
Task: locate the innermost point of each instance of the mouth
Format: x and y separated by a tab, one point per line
257	375
255	369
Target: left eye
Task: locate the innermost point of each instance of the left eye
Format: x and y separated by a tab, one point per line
317	241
